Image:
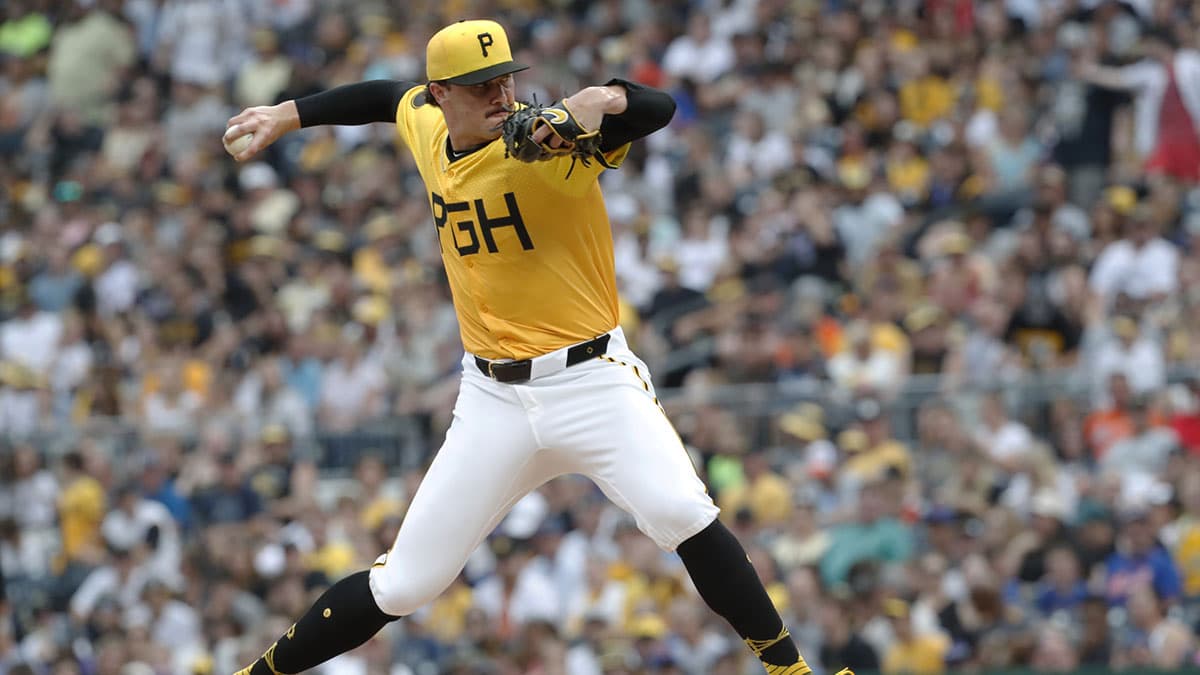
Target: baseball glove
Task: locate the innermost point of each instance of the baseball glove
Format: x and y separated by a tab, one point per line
582	145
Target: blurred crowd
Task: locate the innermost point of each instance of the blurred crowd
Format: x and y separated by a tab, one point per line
959	240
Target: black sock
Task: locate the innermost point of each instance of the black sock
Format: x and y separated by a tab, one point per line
727	581
344	617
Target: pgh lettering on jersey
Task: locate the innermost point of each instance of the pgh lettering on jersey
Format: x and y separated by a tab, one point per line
528	253
485	223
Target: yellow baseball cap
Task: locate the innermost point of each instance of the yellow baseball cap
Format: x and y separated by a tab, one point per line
469	52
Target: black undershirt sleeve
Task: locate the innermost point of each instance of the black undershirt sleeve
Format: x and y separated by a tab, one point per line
353	104
647	110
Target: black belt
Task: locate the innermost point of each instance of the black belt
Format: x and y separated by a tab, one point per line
511	372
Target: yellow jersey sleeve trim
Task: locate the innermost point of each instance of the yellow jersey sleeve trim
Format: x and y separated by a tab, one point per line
616	157
406	113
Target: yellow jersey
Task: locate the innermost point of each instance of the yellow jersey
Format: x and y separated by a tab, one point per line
922	655
528	252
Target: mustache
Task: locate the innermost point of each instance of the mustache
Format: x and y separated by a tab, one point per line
506	108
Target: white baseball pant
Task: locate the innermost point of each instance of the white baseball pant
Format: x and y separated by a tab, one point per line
598	418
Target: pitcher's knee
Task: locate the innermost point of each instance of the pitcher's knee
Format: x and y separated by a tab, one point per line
673	522
402	592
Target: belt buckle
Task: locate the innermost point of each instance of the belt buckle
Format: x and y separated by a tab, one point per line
491	373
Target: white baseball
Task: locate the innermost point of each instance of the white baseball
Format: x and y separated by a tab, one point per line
237	145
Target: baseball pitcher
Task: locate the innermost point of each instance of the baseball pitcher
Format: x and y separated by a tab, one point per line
549	386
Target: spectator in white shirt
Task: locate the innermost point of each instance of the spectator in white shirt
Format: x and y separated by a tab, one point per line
699	54
72	363
136	521
263	398
21	401
117	285
864	367
172	409
755	153
31	337
352	388
170	623
34	491
702	250
1143	455
868	213
600	597
1132	353
518	592
121	580
1141	265
637	273
206	39
1005	440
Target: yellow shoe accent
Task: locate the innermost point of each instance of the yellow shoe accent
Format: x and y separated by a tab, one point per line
760	646
268	659
798	668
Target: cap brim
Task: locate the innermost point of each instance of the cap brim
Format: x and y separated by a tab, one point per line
491	72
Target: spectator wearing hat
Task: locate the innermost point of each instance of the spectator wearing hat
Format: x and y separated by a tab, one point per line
672	302
959	276
875	534
279	477
930	333
1140	559
911	653
1140	265
1131	352
228	501
868	214
880	453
